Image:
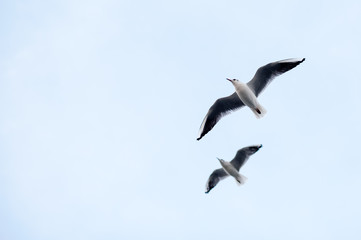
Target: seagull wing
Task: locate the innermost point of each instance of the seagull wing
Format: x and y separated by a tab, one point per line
214	178
220	108
242	156
267	73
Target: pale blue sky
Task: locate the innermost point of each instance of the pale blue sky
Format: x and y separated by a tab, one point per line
101	102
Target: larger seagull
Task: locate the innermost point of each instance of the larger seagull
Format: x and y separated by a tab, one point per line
246	94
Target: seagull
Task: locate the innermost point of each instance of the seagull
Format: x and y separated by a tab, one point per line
246	94
232	168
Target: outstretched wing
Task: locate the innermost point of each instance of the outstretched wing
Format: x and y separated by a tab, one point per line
214	178
267	73
243	154
220	108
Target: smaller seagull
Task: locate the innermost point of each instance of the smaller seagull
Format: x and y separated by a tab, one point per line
232	168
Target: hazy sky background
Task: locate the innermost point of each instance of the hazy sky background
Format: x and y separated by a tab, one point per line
101	102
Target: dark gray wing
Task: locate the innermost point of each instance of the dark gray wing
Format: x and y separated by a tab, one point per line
265	74
214	178
220	108
243	154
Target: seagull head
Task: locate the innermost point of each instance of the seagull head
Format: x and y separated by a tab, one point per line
233	81
220	160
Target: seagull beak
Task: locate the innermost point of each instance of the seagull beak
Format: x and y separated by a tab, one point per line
229	79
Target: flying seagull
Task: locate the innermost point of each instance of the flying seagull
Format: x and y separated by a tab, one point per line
246	94
232	168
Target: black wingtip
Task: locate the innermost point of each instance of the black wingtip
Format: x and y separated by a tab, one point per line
303	59
199	138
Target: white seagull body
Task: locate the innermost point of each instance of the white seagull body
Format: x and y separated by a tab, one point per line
232	171
246	94
232	168
248	98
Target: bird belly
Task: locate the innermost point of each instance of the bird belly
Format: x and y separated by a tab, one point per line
247	96
230	170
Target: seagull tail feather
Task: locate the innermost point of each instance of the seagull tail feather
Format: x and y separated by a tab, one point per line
259	111
241	179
